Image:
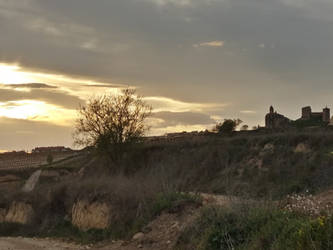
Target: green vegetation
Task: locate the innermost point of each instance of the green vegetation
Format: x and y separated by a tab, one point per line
49	159
257	228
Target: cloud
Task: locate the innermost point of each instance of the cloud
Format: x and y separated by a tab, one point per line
210	44
167	104
30	86
51	96
248	112
149	44
23	134
168	119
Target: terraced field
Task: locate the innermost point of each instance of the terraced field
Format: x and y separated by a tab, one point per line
29	160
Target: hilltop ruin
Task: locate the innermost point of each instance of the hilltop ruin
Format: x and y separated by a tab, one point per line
274	120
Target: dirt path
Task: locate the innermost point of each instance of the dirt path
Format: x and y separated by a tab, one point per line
36	244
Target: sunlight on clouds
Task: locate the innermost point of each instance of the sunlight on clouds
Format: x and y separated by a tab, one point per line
167	104
210	44
37	111
11	74
248	112
15	74
45	111
25	109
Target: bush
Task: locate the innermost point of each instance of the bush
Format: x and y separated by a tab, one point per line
49	159
227	126
257	228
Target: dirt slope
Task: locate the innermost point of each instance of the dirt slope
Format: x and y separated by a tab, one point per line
162	233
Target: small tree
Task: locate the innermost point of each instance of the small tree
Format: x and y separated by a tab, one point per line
49	159
111	122
244	127
228	126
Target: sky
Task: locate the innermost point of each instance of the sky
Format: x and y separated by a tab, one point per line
197	62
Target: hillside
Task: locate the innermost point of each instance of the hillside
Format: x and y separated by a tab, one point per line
165	178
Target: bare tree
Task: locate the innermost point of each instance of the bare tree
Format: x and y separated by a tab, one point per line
110	122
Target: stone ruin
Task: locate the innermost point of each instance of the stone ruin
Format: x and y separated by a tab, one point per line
274	120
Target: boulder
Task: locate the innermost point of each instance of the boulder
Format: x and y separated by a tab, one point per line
138	236
20	212
95	215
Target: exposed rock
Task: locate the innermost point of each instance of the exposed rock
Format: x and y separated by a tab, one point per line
138	236
96	215
32	181
302	148
2	215
20	212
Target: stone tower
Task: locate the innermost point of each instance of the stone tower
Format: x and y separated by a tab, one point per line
271	110
306	113
326	114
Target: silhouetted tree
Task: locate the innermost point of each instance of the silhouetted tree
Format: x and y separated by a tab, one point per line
244	127
111	122
228	126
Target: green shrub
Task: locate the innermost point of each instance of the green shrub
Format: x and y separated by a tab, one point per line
257	228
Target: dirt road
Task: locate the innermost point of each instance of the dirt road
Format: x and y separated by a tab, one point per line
36	244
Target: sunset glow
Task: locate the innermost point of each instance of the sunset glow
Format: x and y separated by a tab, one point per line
197	62
11	74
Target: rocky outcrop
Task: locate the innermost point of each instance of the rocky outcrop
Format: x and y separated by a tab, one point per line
32	182
95	215
20	212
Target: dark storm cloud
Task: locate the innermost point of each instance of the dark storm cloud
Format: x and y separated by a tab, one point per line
182	118
56	97
30	134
